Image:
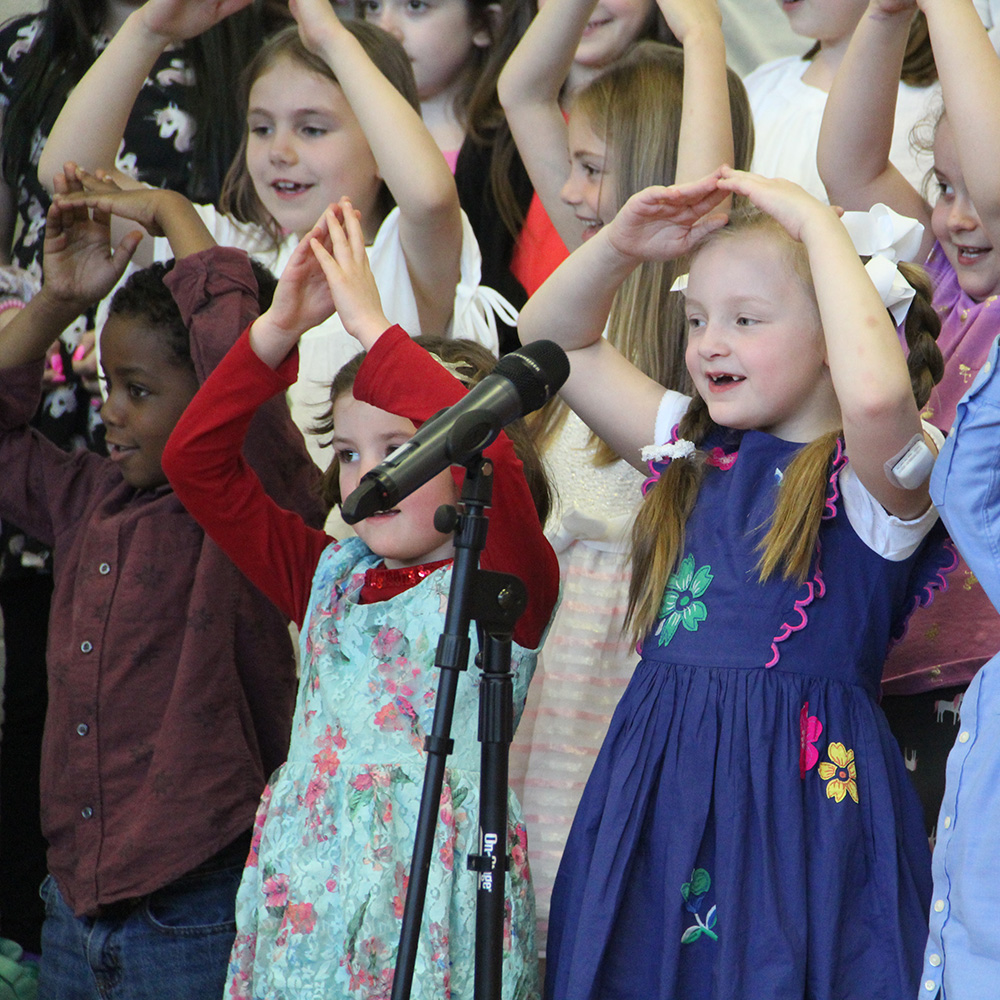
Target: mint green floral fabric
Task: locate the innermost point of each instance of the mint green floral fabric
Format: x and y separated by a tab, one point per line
680	605
319	909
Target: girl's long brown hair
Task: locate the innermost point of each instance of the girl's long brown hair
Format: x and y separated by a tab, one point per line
635	105
789	546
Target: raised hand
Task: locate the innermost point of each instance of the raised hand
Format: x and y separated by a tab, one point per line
683	16
317	22
661	223
81	266
783	200
344	261
301	301
159	211
100	191
180	19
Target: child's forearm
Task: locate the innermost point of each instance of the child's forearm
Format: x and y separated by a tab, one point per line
866	363
572	309
90	126
31	332
706	132
408	158
878	413
271	546
529	89
412	167
182	225
856	135
573	305
538	66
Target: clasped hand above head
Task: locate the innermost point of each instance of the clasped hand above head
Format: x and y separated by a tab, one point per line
81	265
328	272
177	20
662	223
159	211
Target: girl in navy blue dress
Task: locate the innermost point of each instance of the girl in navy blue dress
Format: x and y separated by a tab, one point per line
749	830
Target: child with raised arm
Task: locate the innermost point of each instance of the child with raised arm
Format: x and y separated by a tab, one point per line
448	43
319	910
749	829
531	90
788	95
171	680
331	112
567	44
657	115
928	672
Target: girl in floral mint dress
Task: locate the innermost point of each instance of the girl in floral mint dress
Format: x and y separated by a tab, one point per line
749	829
319	910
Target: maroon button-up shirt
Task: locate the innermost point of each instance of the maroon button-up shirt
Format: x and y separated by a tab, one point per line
171	678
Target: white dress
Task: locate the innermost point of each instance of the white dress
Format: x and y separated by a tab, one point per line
586	662
787	115
327	347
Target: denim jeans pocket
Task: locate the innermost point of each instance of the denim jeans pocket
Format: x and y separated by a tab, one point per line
199	903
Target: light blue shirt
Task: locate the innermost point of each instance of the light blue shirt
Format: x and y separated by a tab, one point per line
962	960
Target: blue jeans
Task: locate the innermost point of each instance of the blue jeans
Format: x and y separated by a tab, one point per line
173	944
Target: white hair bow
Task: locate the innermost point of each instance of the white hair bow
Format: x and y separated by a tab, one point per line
887	238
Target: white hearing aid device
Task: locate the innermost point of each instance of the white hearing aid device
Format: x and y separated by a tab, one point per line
910	468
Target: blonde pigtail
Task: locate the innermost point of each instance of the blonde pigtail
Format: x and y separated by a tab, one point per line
790	542
659	529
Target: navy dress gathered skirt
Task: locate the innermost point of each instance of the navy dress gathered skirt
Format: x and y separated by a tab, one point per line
749	829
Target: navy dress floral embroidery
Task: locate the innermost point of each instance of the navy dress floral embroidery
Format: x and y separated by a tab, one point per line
749	829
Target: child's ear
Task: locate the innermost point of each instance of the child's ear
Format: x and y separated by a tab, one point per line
490	20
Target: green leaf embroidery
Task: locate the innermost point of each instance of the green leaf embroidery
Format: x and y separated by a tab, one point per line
693	891
353	926
700	883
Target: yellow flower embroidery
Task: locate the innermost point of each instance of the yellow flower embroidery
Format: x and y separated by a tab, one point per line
841	774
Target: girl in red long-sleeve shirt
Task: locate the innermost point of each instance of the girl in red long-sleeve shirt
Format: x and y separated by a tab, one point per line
321	900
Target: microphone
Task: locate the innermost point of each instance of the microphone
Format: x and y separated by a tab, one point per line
520	383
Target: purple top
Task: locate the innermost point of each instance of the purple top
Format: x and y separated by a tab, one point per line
951	639
968	329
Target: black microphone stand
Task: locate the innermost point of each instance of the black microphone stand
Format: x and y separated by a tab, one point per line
494	601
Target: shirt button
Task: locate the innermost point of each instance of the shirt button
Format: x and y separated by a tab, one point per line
929	985
947	822
935	960
82	729
86	812
938	905
104	569
963	737
86	646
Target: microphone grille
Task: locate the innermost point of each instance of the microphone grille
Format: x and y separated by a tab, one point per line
536	370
